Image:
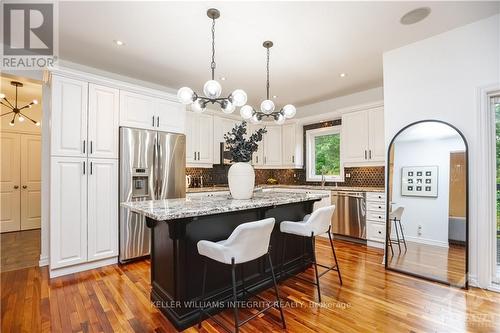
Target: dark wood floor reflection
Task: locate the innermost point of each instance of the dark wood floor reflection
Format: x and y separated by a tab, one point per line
116	299
437	262
19	249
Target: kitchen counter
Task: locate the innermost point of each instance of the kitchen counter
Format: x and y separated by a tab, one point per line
278	186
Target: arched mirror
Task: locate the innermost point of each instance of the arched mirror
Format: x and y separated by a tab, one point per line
427	205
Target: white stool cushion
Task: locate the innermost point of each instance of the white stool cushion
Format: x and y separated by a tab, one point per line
318	223
247	242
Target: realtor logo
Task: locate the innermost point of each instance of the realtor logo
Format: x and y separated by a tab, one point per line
28	35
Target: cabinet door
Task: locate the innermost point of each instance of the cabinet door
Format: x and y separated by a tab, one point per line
137	110
354	137
192	134
103	121
69	117
68	211
170	116
376	132
221	126
272	146
102	214
31	167
205	139
258	156
289	144
10	201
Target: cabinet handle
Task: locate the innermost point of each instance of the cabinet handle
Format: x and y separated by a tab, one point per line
365	155
198	156
83	167
293	158
256	159
84	146
194	156
153	121
370	154
158	121
265	159
91	149
25	187
91	164
16	187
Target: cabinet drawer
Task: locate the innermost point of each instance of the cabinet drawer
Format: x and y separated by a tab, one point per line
375	206
375	231
375	216
375	196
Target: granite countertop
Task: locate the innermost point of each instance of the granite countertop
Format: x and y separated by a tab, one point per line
305	187
171	209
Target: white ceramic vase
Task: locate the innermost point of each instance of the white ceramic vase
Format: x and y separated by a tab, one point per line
241	179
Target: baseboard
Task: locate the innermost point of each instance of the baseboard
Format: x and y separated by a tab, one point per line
44	261
378	245
426	241
82	267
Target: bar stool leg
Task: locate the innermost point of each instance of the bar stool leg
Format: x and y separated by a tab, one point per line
334	256
276	290
283	256
403	235
202	292
235	307
313	243
389	239
397	234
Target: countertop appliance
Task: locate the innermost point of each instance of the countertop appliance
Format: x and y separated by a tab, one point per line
349	218
152	167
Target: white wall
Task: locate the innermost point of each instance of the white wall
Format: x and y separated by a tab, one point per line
439	78
428	212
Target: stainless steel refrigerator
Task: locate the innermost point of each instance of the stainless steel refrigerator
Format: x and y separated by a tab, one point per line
152	167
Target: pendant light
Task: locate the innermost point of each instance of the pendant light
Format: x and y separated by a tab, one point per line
212	89
267	107
14	107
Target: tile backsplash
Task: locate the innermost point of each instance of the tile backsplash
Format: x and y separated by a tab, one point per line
359	176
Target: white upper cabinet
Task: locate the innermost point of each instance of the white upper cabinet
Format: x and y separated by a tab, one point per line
69	117
102	212
143	111
363	137
199	139
290	145
273	146
103	121
222	126
136	110
258	156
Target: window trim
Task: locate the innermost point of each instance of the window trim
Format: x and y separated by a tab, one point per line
310	152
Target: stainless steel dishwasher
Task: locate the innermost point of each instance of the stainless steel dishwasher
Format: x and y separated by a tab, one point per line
349	218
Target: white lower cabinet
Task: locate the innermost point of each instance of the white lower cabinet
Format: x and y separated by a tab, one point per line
375	219
83	210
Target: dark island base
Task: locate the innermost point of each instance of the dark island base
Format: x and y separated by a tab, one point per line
176	266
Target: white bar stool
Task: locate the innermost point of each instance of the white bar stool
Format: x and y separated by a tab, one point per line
249	241
317	223
395	216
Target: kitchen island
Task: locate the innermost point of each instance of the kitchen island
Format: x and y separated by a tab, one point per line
177	226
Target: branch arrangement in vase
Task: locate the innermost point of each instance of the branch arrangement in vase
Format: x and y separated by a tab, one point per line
241	148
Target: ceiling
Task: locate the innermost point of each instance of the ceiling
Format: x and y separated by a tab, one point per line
168	43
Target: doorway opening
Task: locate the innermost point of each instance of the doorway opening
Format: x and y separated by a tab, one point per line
20	172
495	107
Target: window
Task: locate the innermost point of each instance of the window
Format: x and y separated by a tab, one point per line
495	105
323	154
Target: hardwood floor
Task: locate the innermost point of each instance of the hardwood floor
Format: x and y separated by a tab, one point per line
19	249
437	262
116	299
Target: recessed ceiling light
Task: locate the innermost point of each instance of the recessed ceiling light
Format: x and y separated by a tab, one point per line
342	74
222	78
118	42
415	16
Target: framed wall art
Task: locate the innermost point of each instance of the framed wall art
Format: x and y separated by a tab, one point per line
419	181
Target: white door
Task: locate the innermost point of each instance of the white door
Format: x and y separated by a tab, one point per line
376	131
354	138
205	139
136	110
68	211
170	116
31	148
289	142
258	156
102	214
10	200
103	120
69	117
192	134
272	146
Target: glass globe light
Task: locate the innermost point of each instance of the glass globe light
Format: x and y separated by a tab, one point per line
21	118
35	101
255	119
37	123
239	97
2	96
185	95
289	110
198	106
11	122
212	89
267	106
280	120
228	107
246	112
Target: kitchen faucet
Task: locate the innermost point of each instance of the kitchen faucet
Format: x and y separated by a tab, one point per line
323	179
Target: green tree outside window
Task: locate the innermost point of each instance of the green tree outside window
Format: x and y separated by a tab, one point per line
327	154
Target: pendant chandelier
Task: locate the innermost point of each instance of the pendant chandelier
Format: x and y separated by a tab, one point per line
212	89
267	107
15	109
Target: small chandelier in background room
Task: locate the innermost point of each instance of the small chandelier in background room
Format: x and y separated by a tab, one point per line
15	109
267	107
212	89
